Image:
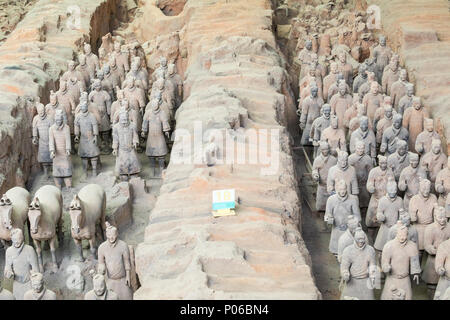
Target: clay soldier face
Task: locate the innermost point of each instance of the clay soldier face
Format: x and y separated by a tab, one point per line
424	187
134	67
342	57
171	69
397	122
63	85
364	123
59	118
440	216
393	64
334	122
414	160
370	76
333	67
436	146
402	147
112	62
402	234
326	110
37	282
383	163
352	223
106	69
155	105
119	94
388	112
360	239
40	110
387	101
17	237
409	90
360	148
416	103
130	83
342	89
111	234
362	70
84	107
100	74
374	87
308	45
137	59
382	41
71	65
99	285
82	59
163	61
117	47
391	189
311	69
403	75
314	91
404	217
87	48
429	125
342	159
325	148
341	189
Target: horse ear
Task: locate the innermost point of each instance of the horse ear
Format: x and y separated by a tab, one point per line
36	202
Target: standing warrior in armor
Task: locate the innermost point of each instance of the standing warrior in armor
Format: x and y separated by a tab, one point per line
121	57
413	121
410	177
434	161
342	171
305	58
20	259
38	290
358	268
339	103
382	55
156	123
442	267
372	101
366	135
60	146
322	164
384	123
114	258
392	134
399	160
362	163
86	133
390	75
125	142
442	184
101	101
309	112
399	259
398	88
406	101
177	82
424	139
91	59
334	136
85	70
318	125
41	126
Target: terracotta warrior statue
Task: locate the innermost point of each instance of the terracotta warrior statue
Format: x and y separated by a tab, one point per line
116	71
41	126
161	68
442	267
413	121
114	258
399	260
345	68
366	135
72	72
38	290
384	123
388	212
339	103
121	57
410	177
177	82
91	58
67	103
351	113
372	101
399	160
390	75
365	87
110	81
75	87
392	134
321	165
101	101
309	81
348	237
86	134
376	185
421	209
125	143
116	105
334	88
309	112
358	268
100	291
362	163
334	136
134	115
360	78
156	123
434	235
424	139
161	87
398	88
342	171
379	113
404	219
339	206
20	259
370	63
330	79
304	57
59	147
85	70
318	125
442	184
139	74
434	161
134	95
406	101
382	55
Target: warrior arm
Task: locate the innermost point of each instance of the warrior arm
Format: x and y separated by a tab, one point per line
328	217
304	114
330	182
384	143
115	143
441	256
402	182
94	126
386	259
76	126
34	128
345	265
370	182
415	263
126	258
412	210
68	141
354	185
51	140
355	209
428	240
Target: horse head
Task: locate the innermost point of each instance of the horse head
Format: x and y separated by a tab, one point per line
6	212
76	214
34	215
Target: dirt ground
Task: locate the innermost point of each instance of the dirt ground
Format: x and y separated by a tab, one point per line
11	12
66	254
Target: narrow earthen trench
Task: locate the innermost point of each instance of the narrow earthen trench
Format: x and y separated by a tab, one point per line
180	249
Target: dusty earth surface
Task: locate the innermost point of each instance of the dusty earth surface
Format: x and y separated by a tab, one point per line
11	12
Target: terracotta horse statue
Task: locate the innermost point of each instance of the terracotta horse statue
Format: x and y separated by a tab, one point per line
87	211
45	218
13	212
